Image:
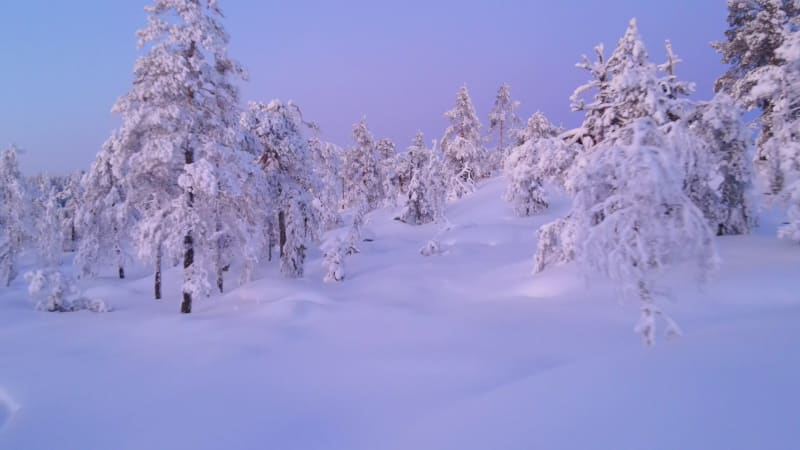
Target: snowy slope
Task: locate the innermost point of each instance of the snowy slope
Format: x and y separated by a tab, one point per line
465	350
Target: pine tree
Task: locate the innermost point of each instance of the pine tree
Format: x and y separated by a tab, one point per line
629	88
364	186
47	225
104	217
779	85
13	211
462	150
718	172
179	130
503	118
389	161
757	29
626	88
286	160
70	197
426	188
326	160
633	219
525	189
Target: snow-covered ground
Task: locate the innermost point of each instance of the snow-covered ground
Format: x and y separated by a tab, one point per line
465	350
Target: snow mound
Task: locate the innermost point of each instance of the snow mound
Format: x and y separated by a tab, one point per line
7	409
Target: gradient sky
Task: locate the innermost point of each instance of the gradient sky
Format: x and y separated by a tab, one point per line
399	63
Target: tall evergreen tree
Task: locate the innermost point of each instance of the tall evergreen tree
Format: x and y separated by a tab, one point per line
13	210
503	119
362	169
286	160
426	188
462	149
756	30
104	218
180	129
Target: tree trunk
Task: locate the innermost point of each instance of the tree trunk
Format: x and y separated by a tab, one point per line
120	268
188	241
282	231
188	260
220	284
500	144
158	275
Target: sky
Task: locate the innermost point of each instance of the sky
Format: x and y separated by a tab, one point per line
398	63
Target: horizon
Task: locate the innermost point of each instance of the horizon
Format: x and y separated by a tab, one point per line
58	94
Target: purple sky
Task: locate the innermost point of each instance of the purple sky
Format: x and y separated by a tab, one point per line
399	63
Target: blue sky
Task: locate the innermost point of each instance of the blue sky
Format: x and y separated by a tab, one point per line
399	63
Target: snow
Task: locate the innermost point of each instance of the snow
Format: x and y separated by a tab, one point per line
461	350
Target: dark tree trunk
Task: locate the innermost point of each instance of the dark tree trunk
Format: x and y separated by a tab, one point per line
188	260
282	231
188	241
120	268
158	276
220	283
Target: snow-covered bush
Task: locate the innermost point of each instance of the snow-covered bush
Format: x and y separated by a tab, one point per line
52	291
333	260
432	248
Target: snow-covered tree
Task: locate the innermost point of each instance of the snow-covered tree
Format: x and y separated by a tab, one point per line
362	170
634	220
757	30
462	148
70	197
180	130
327	162
391	164
503	119
13	211
716	155
47	225
779	85
525	189
675	92
625	88
104	217
426	192
287	162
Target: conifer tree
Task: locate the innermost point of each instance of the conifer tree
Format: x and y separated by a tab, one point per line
364	186
104	217
462	149
503	119
287	163
179	134
13	211
757	29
